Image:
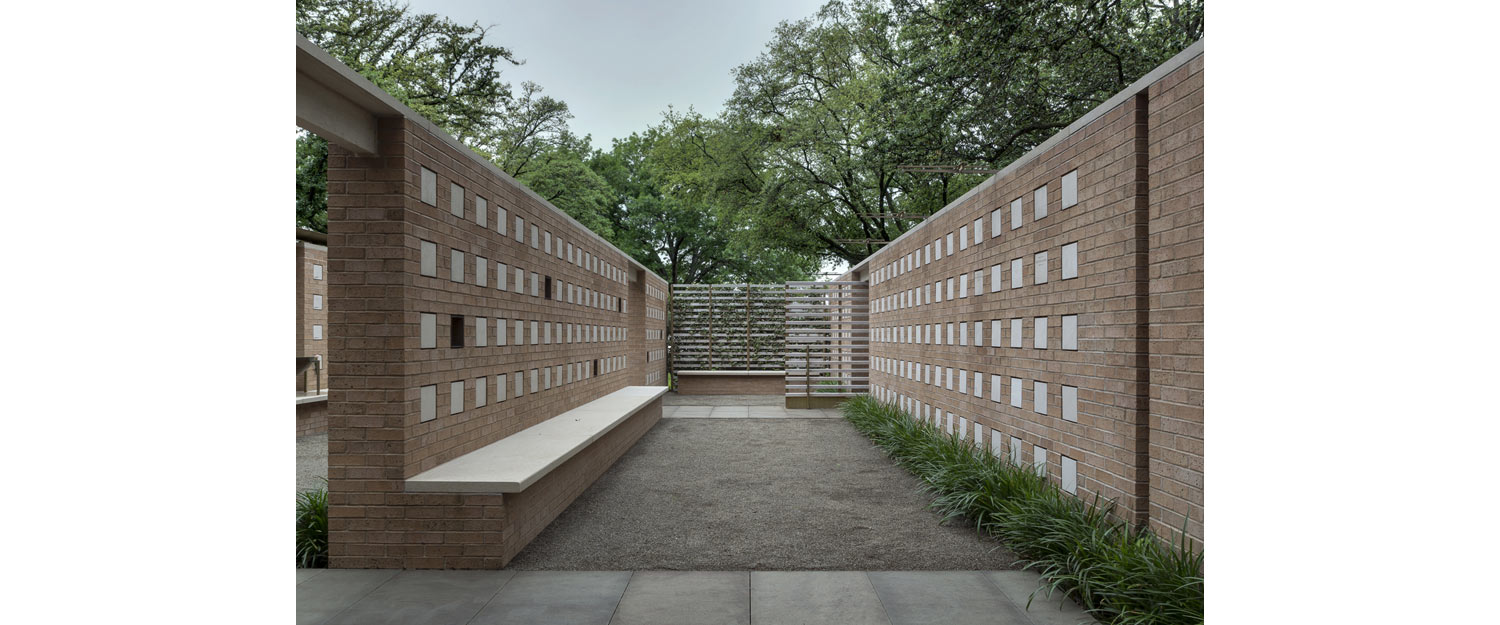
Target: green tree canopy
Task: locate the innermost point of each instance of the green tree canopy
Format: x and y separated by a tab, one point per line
805	163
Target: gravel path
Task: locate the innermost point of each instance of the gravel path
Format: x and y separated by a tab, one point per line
312	461
758	494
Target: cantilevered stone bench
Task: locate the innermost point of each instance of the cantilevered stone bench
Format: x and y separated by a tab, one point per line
514	463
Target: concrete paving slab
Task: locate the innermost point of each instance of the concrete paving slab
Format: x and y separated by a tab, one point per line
686	598
944	597
323	596
814	597
307	574
1054	609
426	598
687	412
730	412
556	597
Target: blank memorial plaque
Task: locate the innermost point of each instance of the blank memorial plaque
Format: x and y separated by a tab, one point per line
456	200
1070	261
1015	214
995	282
428	330
481	212
317	333
429	259
481	392
1017	273
429	402
1039	200
1069	475
481	271
429	187
995	388
500	388
456	397
1015	392
995	223
1070	189
1070	403
1039	336
1039	397
456	266
1041	268
1070	332
1015	332
1039	459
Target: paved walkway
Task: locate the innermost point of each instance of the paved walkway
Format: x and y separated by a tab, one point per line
376	597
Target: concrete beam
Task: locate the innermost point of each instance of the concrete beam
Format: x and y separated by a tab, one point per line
334	117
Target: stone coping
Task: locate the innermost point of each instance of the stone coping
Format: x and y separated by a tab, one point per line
308	399
731	372
514	463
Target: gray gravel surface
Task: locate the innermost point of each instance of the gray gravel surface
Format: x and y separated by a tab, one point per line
312	461
759	494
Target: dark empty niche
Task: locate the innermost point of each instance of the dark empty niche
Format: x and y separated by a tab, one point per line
456	330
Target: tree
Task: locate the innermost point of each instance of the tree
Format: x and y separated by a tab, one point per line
847	96
443	70
312	182
683	221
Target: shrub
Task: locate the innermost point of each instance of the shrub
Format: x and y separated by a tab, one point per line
312	528
1120	574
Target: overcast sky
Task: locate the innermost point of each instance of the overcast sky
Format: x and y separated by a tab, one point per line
619	64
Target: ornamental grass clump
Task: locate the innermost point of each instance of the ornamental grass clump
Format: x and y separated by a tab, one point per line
312	528
1122	575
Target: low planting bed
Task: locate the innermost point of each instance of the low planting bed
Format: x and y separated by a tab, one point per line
1118	573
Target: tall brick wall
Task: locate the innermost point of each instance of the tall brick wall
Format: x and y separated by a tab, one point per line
426	349
312	310
1176	300
1094	242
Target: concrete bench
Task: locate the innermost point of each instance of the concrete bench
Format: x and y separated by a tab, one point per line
514	463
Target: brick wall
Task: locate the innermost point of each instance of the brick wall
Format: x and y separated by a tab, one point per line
312	310
731	384
424	305
1176	300
312	418
1092	242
